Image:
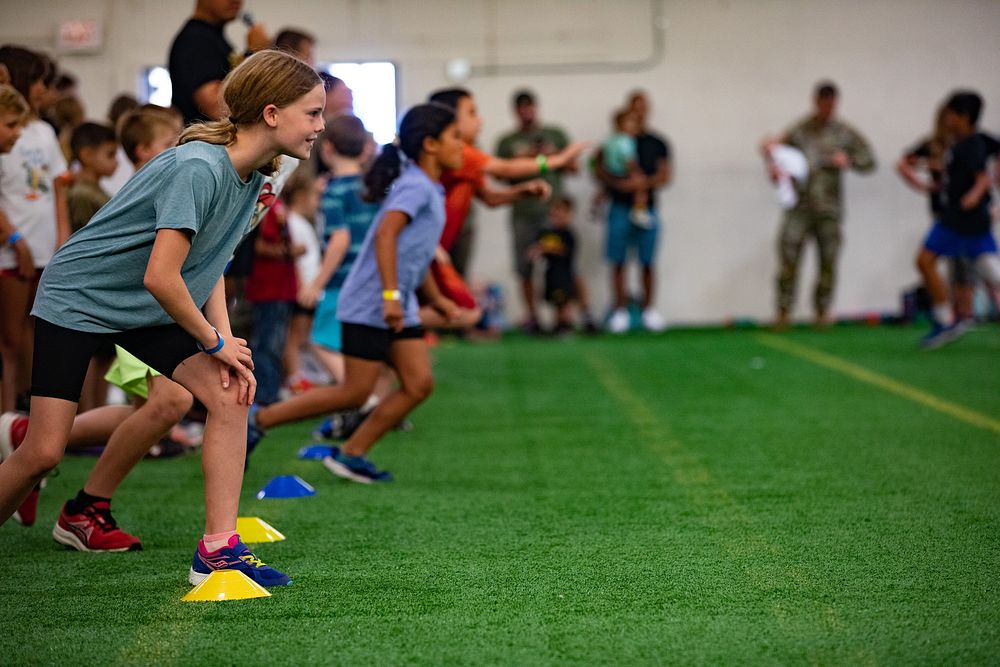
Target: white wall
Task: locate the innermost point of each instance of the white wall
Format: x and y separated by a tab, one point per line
732	71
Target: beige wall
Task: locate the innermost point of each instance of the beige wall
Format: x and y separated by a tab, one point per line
732	71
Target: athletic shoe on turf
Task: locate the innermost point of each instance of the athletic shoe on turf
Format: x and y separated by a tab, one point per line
340	425
653	321
13	428
620	321
940	336
355	468
93	529
234	556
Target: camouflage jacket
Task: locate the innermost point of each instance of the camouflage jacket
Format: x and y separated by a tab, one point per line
822	191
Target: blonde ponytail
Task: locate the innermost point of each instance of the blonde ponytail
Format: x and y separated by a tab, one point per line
266	77
219	132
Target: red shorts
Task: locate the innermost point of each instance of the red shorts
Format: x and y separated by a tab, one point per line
451	284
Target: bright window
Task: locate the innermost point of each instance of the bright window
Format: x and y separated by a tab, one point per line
374	87
154	86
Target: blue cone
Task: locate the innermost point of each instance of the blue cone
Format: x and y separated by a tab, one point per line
315	452
286	486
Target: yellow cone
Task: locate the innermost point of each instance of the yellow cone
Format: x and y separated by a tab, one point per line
226	585
253	530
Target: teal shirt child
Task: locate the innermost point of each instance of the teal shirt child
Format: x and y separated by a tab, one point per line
619	151
94	283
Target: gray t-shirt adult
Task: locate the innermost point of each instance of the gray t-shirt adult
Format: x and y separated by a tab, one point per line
95	281
422	200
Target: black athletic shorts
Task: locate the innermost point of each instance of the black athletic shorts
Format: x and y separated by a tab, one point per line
62	355
372	343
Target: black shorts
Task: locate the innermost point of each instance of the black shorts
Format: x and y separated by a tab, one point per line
373	343
299	310
62	355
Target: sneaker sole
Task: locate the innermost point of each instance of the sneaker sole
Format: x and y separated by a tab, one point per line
195	578
69	539
342	471
941	341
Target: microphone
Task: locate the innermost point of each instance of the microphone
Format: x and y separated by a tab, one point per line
248	19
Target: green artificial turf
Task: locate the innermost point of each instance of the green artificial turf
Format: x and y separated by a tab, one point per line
690	498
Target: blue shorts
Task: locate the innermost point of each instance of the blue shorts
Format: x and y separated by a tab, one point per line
946	242
326	329
622	235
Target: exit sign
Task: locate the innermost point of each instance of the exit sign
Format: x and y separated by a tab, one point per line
82	36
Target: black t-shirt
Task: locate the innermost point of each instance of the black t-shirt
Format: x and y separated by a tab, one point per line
559	249
924	151
650	149
963	163
199	54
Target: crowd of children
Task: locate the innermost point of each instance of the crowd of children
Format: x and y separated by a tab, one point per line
114	271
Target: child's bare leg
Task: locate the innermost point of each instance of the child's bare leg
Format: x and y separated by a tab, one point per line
298	335
95	387
14	295
935	284
618	284
432	319
168	403
386	382
224	448
360	377
41	451
413	363
95	427
332	361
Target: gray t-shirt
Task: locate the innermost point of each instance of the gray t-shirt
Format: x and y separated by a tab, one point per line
95	281
422	200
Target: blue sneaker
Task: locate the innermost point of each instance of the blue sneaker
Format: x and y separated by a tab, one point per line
940	336
340	425
235	556
254	432
355	468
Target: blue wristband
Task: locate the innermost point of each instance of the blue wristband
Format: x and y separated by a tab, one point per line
14	238
218	346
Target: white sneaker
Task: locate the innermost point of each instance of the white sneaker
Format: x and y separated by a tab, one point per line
653	321
641	218
620	321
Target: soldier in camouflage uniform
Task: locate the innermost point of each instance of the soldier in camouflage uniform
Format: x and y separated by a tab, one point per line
831	147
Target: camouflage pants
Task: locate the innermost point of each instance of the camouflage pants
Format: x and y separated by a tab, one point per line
796	227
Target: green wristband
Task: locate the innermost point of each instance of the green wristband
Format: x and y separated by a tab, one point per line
543	164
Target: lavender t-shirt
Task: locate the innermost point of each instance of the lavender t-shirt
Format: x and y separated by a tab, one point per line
422	200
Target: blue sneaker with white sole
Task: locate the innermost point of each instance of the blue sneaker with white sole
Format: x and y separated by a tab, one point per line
355	468
234	556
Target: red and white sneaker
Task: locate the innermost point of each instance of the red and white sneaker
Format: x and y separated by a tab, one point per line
13	428
93	529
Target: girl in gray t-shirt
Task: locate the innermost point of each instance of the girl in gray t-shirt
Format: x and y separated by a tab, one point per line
378	303
146	274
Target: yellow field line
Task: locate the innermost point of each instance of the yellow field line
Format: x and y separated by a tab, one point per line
867	376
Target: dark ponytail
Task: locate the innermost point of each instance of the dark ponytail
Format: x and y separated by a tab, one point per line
420	122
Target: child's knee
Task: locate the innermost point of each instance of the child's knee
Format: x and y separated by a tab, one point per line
41	459
219	401
420	388
171	405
